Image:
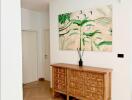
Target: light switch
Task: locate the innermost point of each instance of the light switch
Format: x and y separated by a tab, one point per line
120	55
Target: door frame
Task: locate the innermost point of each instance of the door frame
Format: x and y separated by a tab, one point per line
45	31
29	30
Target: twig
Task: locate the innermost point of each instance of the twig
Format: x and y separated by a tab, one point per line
83	52
80	53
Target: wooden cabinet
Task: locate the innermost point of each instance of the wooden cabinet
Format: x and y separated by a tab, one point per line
83	83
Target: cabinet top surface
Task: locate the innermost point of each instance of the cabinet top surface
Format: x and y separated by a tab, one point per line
83	68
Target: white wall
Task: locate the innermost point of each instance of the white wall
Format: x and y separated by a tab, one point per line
37	21
130	31
121	42
32	20
11	63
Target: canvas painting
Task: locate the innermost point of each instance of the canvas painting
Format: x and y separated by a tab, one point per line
89	30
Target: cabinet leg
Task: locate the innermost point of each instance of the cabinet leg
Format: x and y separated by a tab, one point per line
53	93
67	97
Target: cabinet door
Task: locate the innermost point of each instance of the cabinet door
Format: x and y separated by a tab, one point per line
94	86
75	83
60	79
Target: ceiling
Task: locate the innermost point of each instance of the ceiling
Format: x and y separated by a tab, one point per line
37	5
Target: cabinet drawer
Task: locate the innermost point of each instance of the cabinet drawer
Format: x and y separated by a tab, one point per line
93	85
60	79
75	83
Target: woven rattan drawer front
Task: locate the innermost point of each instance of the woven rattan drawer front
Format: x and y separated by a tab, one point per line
60	79
75	82
93	86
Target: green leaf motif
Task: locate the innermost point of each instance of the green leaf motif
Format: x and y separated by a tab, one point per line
89	25
96	45
75	29
105	43
64	33
84	21
81	22
78	22
63	17
65	27
83	40
90	34
73	33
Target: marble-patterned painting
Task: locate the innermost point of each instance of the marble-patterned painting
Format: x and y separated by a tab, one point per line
89	30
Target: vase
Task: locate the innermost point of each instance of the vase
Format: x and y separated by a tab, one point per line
80	62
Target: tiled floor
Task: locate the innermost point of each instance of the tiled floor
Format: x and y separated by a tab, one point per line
39	91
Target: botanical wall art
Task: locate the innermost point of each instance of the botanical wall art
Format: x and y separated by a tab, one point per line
86	29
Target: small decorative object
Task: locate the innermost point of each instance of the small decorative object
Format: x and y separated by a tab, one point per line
80	62
80	53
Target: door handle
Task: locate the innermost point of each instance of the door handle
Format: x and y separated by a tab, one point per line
45	55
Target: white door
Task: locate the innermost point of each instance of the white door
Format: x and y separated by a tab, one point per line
46	54
29	56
